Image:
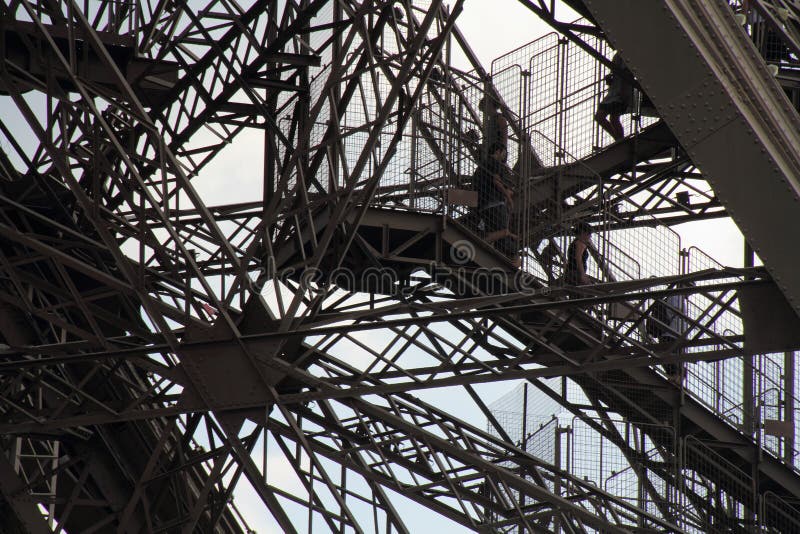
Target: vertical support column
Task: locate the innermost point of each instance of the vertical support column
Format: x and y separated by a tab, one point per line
525	146
556	479
563	55
414	117
789	406
485	111
524	416
336	95
747	366
750	412
270	150
524	439
600	74
684	267
304	101
558	156
412	170
641	496
452	128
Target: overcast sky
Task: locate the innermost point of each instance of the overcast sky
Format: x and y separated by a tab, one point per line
494	27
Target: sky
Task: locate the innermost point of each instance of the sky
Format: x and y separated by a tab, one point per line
494	27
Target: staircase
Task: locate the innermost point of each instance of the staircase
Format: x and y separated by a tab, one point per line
721	443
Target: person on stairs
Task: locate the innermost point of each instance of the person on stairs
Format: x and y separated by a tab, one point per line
496	200
578	257
495	125
667	324
617	99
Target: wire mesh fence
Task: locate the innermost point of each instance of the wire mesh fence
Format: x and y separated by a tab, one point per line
779	515
767	23
551	91
539	105
719	496
529	201
687	482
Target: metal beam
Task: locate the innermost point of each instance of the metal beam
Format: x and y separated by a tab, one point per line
714	91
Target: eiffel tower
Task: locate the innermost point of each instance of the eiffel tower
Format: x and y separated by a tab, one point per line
265	266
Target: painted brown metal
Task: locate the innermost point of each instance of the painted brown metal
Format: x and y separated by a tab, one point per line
158	338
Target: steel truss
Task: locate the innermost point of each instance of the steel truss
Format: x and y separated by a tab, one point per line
175	362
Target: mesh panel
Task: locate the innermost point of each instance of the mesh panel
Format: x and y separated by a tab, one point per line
719	495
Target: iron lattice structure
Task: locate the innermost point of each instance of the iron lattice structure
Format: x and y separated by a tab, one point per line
301	334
